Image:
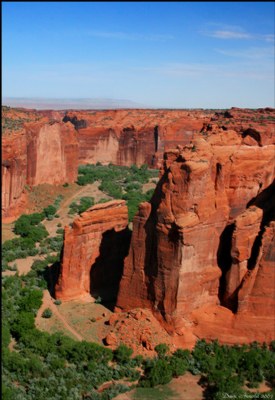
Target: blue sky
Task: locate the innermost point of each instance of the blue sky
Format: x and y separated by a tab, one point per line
160	54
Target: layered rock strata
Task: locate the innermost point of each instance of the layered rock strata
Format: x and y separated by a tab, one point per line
127	137
203	245
94	251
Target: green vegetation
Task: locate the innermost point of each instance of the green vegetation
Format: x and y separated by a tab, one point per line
50	211
118	183
31	231
47	313
82	205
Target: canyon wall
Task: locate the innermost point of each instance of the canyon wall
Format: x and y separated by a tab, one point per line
94	252
52	153
14	173
34	153
126	137
201	251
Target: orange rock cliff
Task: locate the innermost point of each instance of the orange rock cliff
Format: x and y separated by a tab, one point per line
126	137
201	256
202	251
94	252
35	150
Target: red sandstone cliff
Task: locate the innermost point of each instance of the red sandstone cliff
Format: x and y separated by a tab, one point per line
127	137
52	153
94	252
201	252
34	151
14	173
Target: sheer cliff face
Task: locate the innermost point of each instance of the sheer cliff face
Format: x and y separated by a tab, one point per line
138	137
14	172
41	152
204	241
94	252
52	153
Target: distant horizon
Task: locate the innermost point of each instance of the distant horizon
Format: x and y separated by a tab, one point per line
60	103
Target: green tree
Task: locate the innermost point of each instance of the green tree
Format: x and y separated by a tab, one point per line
122	354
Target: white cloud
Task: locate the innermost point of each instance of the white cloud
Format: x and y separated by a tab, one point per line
235	32
229	35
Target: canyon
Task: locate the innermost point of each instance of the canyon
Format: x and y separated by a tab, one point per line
46	146
201	254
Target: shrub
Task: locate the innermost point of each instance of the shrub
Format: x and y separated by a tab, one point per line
122	354
57	302
47	313
23	323
162	350
159	373
178	366
30	300
49	211
83	204
30	226
23	224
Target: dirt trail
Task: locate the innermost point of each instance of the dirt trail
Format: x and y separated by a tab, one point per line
90	190
48	303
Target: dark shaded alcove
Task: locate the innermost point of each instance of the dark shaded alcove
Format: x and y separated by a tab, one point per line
156	137
107	270
253	134
78	124
51	275
218	174
224	260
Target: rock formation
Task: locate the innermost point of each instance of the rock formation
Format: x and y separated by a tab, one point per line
94	252
201	256
127	137
52	153
35	150
201	251
14	173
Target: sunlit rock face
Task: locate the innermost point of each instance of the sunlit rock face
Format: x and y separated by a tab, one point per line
201	252
41	149
52	153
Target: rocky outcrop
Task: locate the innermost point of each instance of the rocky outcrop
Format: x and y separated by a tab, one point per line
201	249
94	252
